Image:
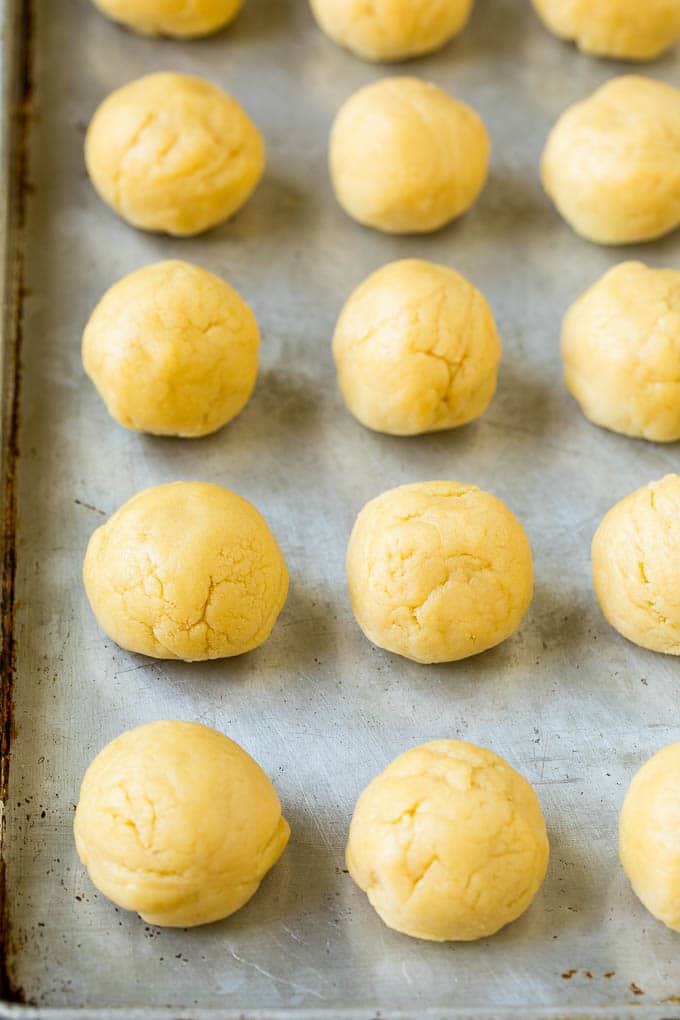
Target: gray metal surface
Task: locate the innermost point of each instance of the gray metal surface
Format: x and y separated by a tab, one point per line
573	706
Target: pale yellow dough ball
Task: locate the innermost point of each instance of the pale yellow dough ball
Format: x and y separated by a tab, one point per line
636	566
391	29
186	571
176	822
183	19
621	352
405	157
611	162
438	571
624	29
449	843
649	835
172	350
416	349
173	154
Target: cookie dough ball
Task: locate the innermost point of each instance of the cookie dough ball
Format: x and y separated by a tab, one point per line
636	566
621	352
624	29
649	835
171	17
416	349
178	823
186	571
449	843
405	157
438	571
391	29
172	350
173	154
611	162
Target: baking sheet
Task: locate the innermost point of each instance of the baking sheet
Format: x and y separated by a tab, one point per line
568	702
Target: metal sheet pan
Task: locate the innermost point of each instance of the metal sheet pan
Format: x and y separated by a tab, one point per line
568	702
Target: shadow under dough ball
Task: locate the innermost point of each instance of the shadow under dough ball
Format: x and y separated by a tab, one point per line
636	566
438	571
405	157
391	29
622	29
172	350
168	17
176	822
186	571
449	843
611	162
173	154
416	349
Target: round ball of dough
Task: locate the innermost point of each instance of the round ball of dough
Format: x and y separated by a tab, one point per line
173	154
636	566
186	571
449	843
624	29
621	352
172	350
611	162
391	29
178	823
405	157
170	17
438	571
649	835
416	349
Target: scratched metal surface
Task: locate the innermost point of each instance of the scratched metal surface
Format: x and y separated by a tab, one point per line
568	702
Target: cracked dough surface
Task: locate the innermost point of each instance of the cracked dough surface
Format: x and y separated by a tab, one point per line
612	162
649	835
391	29
176	822
621	351
172	350
449	842
438	571
405	157
636	566
180	18
625	29
416	349
186	571
174	154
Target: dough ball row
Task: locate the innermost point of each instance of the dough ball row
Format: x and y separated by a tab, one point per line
177	822
436	571
390	30
175	154
173	350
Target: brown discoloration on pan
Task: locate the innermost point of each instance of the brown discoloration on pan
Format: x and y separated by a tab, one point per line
19	85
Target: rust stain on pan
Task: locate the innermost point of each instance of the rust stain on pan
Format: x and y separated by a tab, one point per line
19	105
